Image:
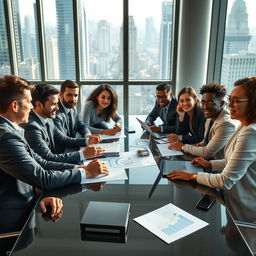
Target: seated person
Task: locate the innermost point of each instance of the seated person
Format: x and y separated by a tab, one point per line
67	118
191	119
42	135
100	107
165	109
218	126
21	170
236	173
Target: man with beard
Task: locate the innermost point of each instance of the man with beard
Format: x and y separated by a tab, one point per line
42	135
67	118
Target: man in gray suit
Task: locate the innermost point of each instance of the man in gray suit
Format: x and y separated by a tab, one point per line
218	127
42	135
165	109
67	118
20	168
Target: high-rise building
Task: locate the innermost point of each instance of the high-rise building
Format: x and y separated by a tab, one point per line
84	44
165	40
133	51
65	39
17	30
52	57
150	33
238	60
103	48
4	54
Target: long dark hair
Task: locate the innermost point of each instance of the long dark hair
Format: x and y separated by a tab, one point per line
249	85
191	92
110	111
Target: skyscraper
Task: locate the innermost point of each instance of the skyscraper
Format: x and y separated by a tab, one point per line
150	33
4	54
165	40
103	48
65	39
238	60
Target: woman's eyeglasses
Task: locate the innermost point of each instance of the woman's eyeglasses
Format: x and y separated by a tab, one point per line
236	100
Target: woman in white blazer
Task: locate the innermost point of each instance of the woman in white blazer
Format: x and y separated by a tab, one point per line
237	172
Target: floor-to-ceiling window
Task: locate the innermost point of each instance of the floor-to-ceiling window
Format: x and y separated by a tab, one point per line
239	53
127	44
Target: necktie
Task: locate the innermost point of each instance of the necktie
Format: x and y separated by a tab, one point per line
206	139
70	124
50	137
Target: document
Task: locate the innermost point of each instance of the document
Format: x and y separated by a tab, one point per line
170	223
171	165
164	151
110	148
128	160
114	174
118	135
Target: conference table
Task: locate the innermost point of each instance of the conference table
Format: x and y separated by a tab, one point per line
146	190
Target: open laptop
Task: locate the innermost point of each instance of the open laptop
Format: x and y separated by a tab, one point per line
147	128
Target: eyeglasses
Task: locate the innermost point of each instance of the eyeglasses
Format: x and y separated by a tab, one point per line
161	97
237	100
209	103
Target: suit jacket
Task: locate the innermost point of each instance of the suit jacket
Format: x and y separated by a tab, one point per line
62	123
195	136
169	125
220	132
237	172
43	143
21	169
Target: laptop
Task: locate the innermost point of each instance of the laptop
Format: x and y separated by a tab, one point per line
147	128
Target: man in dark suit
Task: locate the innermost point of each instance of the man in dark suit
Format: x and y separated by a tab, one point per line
42	135
21	170
67	118
165	109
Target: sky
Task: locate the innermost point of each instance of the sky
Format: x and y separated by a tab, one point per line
111	10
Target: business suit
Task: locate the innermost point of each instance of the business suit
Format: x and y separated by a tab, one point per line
189	136
220	132
21	170
43	142
237	172
168	125
62	123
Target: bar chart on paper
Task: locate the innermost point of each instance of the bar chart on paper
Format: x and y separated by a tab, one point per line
170	223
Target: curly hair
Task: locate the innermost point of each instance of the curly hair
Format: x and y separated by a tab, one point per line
249	85
218	89
110	111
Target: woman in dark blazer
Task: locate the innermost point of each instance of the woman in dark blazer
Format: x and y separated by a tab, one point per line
191	119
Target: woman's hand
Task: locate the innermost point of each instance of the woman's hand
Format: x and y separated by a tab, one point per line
201	161
180	112
117	127
176	145
182	175
109	131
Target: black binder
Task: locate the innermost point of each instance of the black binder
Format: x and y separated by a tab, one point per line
106	217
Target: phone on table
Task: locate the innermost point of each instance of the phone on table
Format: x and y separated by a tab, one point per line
130	129
205	202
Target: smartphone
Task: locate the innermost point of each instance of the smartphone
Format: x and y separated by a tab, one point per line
205	202
130	129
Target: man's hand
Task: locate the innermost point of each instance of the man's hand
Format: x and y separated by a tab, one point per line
155	129
92	152
53	202
112	131
176	145
94	139
95	168
201	161
173	137
148	123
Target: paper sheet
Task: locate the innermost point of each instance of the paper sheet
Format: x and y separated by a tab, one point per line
170	223
109	147
115	174
164	151
128	160
116	136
